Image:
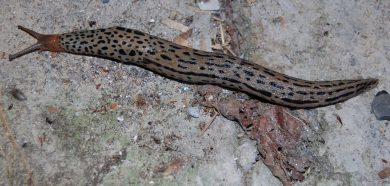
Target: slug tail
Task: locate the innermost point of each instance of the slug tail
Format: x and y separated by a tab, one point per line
44	43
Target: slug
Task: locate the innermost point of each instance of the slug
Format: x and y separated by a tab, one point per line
193	66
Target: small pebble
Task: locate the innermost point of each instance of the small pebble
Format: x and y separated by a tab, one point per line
185	89
105	1
18	94
381	105
120	118
194	112
208	4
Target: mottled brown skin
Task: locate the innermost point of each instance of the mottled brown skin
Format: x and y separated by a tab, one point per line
194	66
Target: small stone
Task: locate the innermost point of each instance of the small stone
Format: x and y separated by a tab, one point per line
105	1
381	105
18	94
120	118
208	4
185	89
194	112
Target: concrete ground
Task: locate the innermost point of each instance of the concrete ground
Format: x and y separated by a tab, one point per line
90	121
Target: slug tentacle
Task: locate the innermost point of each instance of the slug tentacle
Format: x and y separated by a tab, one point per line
44	43
195	66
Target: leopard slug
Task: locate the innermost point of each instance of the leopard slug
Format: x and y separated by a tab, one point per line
189	65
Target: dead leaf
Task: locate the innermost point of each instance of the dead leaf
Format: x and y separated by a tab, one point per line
385	173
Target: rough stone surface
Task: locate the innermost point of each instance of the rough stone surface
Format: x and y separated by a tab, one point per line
68	127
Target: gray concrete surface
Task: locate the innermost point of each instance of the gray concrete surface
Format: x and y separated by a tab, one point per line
316	40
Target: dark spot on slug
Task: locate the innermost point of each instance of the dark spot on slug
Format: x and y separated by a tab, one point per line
260	82
321	93
132	53
274	84
121	51
249	73
165	57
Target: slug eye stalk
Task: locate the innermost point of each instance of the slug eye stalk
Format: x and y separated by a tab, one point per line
44	43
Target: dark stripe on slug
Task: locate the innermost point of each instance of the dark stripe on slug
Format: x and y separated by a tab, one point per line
175	47
188	62
183	67
263	92
202	55
121	28
301	92
338	97
139	33
218	65
300	85
268	72
299	102
165	57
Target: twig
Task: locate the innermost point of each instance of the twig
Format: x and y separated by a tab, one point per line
209	124
294	117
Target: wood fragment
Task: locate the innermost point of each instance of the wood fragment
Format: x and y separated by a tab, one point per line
339	119
182	39
209	124
175	25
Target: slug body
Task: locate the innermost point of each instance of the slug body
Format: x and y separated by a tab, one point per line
195	66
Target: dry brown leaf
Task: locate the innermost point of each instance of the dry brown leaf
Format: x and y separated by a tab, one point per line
385	173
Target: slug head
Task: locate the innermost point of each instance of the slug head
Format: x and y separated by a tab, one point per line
44	43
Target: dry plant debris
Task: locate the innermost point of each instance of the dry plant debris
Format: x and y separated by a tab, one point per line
277	131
